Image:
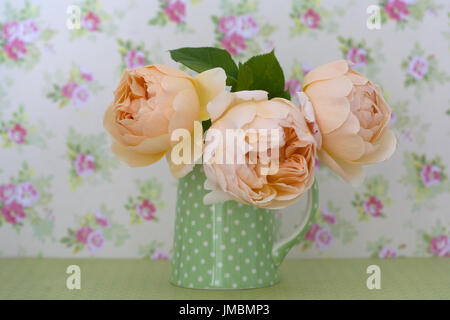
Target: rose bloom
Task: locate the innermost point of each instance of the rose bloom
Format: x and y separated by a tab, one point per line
159	254
13	212
15	49
358	56
176	11
418	67
234	43
310	18
134	59
430	175
68	88
26	194
373	206
293	151
353	119
227	25
101	218
10	30
328	216
7	193
84	164
293	85
95	241
440	246
323	239
28	31
396	9
312	232
90	21
146	210
83	233
387	252
246	26
153	101
80	96
17	133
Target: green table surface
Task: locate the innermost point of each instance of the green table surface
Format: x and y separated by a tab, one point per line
408	278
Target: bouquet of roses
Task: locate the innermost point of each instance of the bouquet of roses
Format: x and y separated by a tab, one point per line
237	121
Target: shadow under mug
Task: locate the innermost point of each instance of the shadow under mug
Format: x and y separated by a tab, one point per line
228	245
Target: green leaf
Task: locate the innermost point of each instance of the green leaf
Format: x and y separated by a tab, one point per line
206	58
262	72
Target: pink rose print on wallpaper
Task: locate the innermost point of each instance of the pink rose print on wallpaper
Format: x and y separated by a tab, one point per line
89	158
132	56
22	36
154	251
373	202
328	226
145	206
73	89
406	13
94	230
24	200
18	132
171	12
434	242
96	20
426	179
422	71
310	17
241	31
366	59
384	249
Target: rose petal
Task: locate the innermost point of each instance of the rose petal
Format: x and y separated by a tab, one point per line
327	71
380	151
132	158
351	172
209	85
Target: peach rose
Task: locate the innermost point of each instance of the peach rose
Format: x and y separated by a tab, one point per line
293	150
153	101
353	119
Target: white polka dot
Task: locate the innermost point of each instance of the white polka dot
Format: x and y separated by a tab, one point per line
215	236
190	240
227	275
258	235
243	232
264	245
237	268
200	279
188	212
222	247
244	278
202	215
247	260
196	205
240	250
212	254
202	261
185	275
265	228
193	177
181	265
226	229
261	263
209	271
246	214
199	233
267	273
219	218
188	258
194	268
185	184
184	201
183	247
253	271
179	282
234	285
260	281
229	211
268	256
181	219
233	240
217	282
193	222
250	243
219	265
256	253
208	226
199	187
260	218
230	258
252	226
236	222
190	195
191	285
205	243
196	251
185	230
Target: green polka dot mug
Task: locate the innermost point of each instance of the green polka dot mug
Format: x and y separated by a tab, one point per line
227	245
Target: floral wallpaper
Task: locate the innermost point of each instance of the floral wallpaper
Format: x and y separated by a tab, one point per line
63	194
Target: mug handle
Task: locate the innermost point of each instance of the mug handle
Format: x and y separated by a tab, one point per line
281	249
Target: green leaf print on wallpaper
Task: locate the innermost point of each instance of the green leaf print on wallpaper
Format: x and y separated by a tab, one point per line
228	245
